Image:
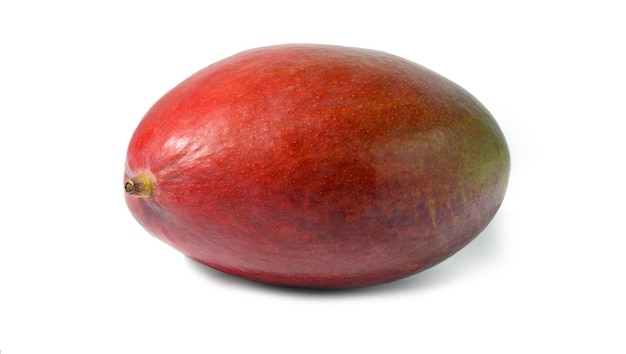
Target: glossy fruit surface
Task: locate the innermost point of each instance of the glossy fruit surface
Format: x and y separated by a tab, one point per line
316	166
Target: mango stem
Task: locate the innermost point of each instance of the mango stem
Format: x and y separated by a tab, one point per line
140	186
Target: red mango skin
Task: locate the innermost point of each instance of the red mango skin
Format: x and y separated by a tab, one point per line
318	166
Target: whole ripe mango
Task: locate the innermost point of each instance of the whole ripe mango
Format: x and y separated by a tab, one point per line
316	166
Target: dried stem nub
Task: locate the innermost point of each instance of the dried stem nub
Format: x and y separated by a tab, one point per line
139	185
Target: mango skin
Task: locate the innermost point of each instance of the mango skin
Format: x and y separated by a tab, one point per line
318	166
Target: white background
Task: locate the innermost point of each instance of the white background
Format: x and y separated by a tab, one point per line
79	275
